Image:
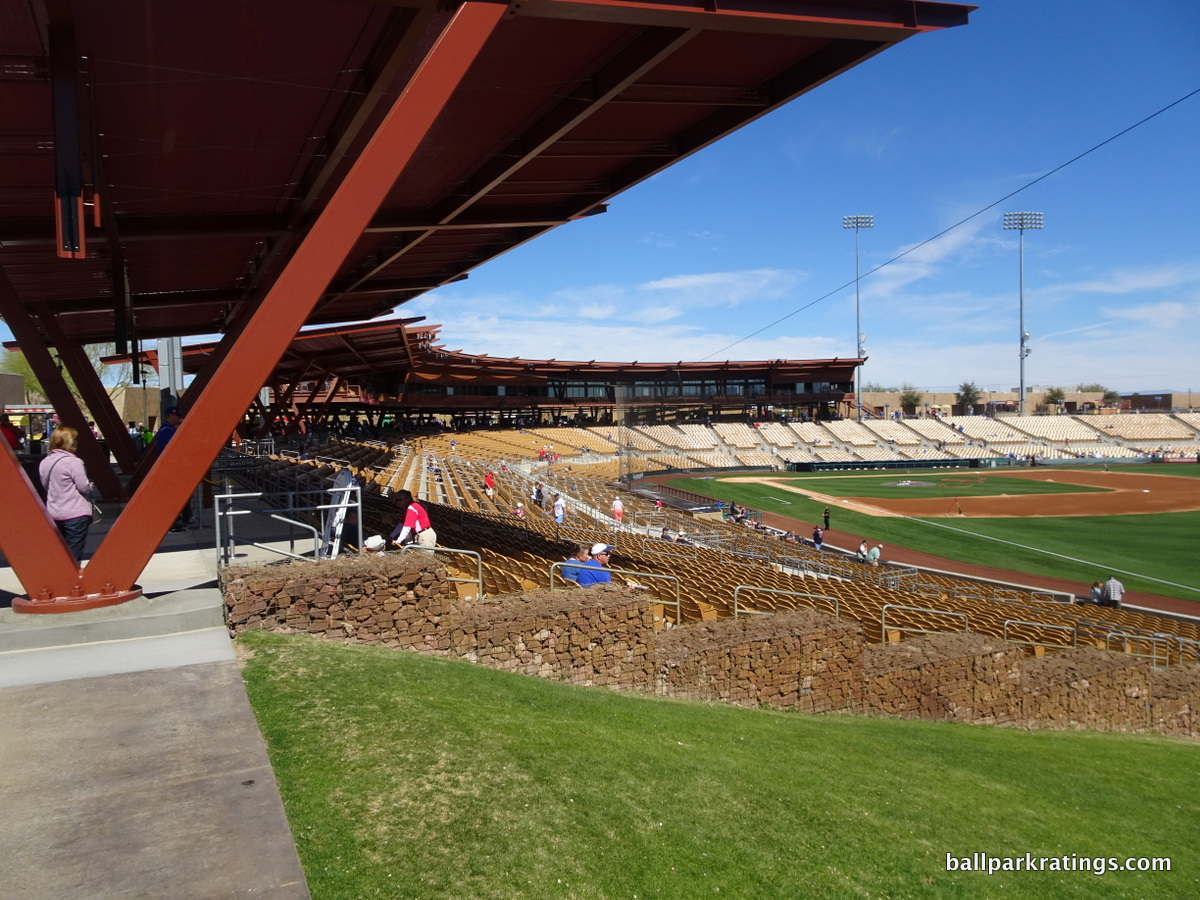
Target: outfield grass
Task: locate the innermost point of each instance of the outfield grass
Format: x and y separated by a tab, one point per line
411	777
1153	553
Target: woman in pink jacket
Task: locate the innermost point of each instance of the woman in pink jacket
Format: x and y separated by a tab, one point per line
68	490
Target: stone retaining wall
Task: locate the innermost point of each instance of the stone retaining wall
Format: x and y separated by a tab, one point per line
955	677
802	660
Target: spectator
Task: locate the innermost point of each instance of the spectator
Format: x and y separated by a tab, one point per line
560	509
172	418
666	534
1112	592
862	552
12	433
874	553
581	556
519	511
618	509
592	571
818	538
414	527
68	489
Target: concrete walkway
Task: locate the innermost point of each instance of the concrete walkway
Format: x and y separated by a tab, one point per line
132	763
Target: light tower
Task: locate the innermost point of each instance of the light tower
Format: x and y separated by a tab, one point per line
1019	222
858	223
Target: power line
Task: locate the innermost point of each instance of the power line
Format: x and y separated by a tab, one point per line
957	224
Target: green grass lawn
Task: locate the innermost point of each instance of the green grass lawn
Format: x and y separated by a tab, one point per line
411	777
933	484
1152	553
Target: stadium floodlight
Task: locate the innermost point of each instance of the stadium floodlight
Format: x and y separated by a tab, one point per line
1020	222
858	223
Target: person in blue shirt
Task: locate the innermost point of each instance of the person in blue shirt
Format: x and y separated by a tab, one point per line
581	556
592	571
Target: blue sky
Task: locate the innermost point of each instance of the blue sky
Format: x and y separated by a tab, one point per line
929	132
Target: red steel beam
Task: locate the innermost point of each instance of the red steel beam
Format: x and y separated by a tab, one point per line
98	401
135	534
33	346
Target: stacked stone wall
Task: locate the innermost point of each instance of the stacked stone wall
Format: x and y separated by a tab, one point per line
600	637
1086	688
804	659
953	677
1175	700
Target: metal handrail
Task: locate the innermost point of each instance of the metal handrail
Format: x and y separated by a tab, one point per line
1074	632
226	536
1153	641
837	608
557	567
941	612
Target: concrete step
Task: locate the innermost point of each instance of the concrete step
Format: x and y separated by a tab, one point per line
182	611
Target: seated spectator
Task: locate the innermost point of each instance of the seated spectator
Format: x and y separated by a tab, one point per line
580	555
666	534
682	538
592	571
874	553
862	552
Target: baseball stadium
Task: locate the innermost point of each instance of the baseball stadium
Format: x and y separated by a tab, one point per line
374	617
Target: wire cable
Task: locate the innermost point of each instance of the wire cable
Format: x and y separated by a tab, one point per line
957	224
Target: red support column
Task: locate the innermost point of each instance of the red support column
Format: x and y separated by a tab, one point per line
136	533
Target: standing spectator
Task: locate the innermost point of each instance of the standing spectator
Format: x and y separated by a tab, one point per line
560	509
618	509
172	417
1112	593
489	484
539	496
818	537
12	433
68	489
825	517
519	512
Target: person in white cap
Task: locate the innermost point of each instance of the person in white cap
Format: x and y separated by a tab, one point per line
618	509
592	571
374	544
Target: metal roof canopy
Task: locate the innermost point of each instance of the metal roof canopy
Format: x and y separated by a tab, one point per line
244	169
412	346
409	351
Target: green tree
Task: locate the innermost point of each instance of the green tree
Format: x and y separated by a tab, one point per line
14	363
1055	396
968	395
1108	396
910	398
